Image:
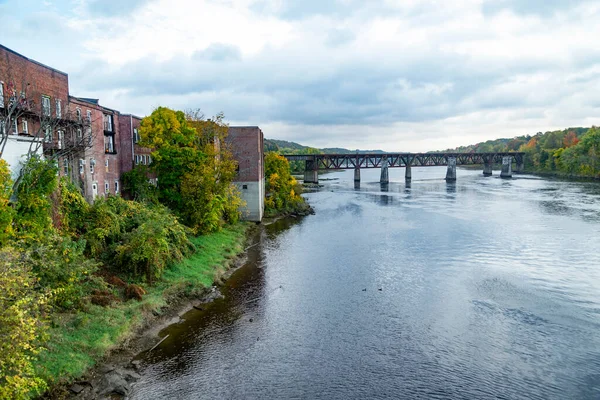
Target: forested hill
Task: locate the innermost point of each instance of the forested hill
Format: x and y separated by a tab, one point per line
572	151
283	146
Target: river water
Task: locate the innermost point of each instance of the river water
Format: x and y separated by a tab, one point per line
486	288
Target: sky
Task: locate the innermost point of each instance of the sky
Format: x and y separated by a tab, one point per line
411	75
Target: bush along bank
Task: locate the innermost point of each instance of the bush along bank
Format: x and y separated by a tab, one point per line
283	193
77	279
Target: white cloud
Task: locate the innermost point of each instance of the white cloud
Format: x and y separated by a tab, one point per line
390	74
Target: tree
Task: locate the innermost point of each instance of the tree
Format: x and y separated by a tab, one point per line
22	326
570	139
194	165
282	190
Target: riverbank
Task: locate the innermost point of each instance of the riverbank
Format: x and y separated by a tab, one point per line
80	341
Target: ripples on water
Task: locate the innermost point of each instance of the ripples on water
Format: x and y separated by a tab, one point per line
486	288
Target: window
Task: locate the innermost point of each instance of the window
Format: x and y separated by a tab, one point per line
136	135
109	144
1	94
25	127
106	164
106	187
149	160
78	113
89	116
144	160
81	165
60	139
92	163
244	186
137	160
116	187
15	127
79	133
66	166
58	108
2	127
108	125
46	106
48	134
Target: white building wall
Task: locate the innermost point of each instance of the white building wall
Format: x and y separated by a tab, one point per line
15	151
253	194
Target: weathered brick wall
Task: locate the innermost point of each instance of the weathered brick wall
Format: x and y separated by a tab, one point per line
35	80
246	144
101	173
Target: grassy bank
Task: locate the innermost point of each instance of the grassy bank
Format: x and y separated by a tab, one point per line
79	340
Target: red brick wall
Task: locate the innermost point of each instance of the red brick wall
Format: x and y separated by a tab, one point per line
101	173
246	144
35	80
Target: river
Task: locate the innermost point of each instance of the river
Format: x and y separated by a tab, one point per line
486	288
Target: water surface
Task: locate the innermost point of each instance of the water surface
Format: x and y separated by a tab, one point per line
486	288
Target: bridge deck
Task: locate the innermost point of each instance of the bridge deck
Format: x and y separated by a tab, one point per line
374	160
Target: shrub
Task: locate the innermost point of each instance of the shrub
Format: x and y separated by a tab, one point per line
158	241
73	208
60	266
22	326
135	182
6	211
137	239
33	208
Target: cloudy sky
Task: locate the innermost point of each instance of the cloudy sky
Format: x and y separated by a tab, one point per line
398	75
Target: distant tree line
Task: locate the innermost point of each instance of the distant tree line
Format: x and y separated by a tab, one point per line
572	151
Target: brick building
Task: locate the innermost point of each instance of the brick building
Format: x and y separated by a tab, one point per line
94	145
97	166
246	143
33	99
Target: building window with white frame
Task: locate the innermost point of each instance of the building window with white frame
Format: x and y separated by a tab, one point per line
78	113
137	160
89	116
79	133
46	106
136	135
106	187
92	163
66	166
109	144
48	134
81	166
25	127
116	186
61	138
106	164
1	94
15	127
108	123
58	105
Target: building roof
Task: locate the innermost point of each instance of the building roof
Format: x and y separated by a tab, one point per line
33	61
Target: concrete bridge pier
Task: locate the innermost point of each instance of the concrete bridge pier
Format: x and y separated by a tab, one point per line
408	172
385	177
451	172
520	165
487	168
311	173
356	174
506	167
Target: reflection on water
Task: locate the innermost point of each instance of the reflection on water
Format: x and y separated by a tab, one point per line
482	288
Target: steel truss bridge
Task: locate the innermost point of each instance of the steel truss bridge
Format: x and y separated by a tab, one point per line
357	161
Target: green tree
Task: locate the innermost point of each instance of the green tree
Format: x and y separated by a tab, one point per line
6	211
22	326
282	190
34	206
195	167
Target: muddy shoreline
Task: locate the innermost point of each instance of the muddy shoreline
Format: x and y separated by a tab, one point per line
113	376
